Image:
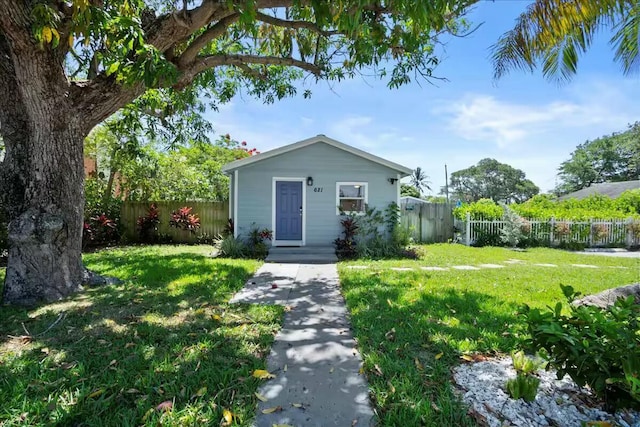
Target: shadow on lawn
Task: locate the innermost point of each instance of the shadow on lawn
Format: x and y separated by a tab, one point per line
415	342
165	334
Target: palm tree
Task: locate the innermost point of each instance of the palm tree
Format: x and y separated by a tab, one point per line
420	180
553	33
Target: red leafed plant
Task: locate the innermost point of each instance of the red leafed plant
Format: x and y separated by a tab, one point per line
183	219
148	224
99	230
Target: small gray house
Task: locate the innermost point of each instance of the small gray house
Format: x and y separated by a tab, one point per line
296	190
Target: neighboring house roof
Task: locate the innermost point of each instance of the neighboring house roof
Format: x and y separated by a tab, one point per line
412	199
611	189
404	171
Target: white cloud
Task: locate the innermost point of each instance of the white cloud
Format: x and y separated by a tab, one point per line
597	105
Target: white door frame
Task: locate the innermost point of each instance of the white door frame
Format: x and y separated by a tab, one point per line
302	242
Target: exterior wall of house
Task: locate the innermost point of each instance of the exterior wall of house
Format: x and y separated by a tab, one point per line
327	165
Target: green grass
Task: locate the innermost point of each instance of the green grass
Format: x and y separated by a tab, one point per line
415	325
120	351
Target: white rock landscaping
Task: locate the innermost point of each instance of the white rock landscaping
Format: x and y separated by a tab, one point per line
559	403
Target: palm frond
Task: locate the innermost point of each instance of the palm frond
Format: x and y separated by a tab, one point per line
626	40
555	33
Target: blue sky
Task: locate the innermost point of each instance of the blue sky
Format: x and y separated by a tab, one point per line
522	120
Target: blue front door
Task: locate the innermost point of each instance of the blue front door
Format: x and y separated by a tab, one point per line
288	210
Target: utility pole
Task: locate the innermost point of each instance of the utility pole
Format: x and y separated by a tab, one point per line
446	182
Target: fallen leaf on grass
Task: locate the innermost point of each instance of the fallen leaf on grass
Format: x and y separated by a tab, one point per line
392	389
96	393
419	365
474	357
439	355
391	335
435	407
68	365
129	345
227	418
165	406
201	392
361	370
132	391
261	397
216	317
377	370
262	374
272	410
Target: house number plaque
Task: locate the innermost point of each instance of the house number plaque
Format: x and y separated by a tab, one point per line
318	189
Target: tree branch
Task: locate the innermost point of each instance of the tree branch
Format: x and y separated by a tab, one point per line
201	41
272	20
251	72
99	98
204	63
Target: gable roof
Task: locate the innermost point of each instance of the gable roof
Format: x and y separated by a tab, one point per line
404	171
412	199
610	189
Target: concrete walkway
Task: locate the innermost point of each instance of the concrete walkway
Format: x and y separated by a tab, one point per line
314	356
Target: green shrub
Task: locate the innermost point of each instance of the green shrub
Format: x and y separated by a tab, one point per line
95	203
571	245
374	235
524	364
523	386
256	246
487	238
483	209
544	207
594	346
231	247
511	232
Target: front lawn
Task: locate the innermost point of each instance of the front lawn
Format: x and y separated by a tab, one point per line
413	326
166	337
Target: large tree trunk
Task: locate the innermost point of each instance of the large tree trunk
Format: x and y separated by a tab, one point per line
45	228
41	176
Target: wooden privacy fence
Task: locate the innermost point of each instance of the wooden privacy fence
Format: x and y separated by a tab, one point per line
428	222
213	218
553	232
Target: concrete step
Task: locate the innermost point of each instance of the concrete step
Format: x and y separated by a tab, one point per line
301	258
314	250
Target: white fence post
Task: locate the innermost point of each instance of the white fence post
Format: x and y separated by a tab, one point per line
468	230
552	225
629	234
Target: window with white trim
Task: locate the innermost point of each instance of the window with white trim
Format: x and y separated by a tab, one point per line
351	197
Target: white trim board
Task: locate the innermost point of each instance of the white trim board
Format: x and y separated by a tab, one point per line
275	242
404	171
235	203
